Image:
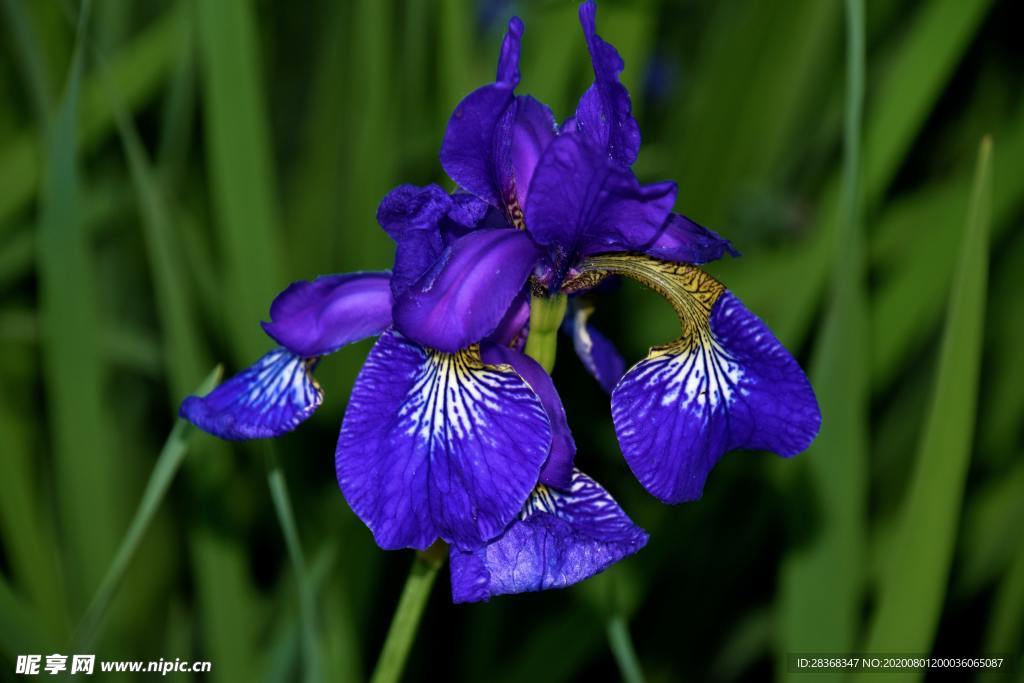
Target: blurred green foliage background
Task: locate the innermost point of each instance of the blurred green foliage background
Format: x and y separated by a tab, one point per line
166	167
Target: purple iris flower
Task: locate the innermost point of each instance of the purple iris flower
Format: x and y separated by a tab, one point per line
575	214
452	432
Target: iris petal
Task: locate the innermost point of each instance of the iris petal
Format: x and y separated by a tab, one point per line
438	445
684	241
468	151
515	326
560	538
315	318
597	353
586	203
604	113
508	58
271	397
557	470
464	297
525	131
423	221
727	383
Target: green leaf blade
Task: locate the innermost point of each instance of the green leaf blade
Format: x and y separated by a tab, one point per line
913	587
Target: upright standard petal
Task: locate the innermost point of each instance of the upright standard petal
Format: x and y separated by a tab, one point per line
557	470
271	397
561	538
598	355
684	241
464	297
727	383
438	445
468	149
508	58
315	318
586	203
604	113
522	135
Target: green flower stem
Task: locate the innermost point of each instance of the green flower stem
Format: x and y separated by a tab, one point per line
402	632
167	466
622	648
546	314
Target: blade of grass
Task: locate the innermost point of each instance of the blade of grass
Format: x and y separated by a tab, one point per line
307	597
86	468
28	535
314	201
911	592
228	606
32	59
1006	627
830	570
910	301
240	166
1002	417
20	631
120	346
373	154
166	468
991	530
549	62
99	209
731	87
460	72
917	71
182	355
179	107
913	80
406	620
137	69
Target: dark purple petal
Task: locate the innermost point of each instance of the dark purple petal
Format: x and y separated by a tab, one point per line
508	59
680	409
412	216
513	328
468	148
599	356
468	212
423	221
604	113
465	295
438	445
315	318
557	470
271	397
523	134
411	208
585	203
561	538
683	241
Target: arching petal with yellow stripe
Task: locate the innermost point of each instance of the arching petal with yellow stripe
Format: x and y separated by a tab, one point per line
726	383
